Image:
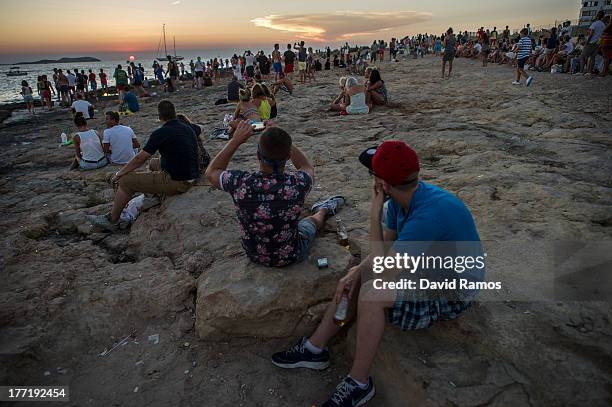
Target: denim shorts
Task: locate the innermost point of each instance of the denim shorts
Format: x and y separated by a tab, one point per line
88	165
307	231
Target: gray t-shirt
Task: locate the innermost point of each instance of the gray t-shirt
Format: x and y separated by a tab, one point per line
120	139
598	28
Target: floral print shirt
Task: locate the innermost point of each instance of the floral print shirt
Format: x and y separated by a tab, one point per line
268	208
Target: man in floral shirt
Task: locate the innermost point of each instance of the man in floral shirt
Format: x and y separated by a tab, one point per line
269	201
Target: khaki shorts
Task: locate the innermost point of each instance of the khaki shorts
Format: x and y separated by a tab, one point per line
302	66
156	181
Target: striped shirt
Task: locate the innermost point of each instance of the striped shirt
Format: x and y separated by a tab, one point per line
524	47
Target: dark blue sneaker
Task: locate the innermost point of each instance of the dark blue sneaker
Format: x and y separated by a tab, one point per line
349	394
332	204
299	356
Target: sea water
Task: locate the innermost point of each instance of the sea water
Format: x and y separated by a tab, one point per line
10	86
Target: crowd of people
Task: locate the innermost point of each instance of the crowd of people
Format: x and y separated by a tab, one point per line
269	201
269	204
553	50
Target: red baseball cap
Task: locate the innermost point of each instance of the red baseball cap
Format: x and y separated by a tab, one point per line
392	161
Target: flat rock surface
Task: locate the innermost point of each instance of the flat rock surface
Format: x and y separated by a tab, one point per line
532	164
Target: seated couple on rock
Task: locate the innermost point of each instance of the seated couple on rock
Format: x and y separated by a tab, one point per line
269	201
416	213
256	105
118	145
352	98
182	158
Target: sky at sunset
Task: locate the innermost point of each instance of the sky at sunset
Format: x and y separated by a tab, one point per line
47	28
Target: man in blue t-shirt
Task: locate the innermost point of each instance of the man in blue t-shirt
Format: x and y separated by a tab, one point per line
130	99
418	215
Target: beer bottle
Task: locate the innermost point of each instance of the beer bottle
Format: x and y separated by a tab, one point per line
340	318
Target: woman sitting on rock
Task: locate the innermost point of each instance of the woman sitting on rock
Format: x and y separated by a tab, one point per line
376	91
258	94
247	109
203	156
269	95
355	97
282	83
339	102
88	146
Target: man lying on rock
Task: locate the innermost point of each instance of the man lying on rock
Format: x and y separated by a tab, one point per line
269	201
416	212
173	173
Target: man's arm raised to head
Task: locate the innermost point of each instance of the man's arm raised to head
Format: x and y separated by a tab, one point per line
223	157
301	162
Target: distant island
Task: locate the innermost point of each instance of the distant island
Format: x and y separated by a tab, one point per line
60	61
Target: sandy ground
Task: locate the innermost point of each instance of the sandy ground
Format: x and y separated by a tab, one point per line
530	163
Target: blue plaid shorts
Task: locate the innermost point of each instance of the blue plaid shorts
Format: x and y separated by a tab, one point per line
307	231
413	315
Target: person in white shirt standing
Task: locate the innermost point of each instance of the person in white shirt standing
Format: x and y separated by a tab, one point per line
119	141
589	52
199	72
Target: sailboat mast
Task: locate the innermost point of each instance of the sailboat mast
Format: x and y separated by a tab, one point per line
164	30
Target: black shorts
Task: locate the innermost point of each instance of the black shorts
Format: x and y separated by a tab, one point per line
199	74
521	62
80	87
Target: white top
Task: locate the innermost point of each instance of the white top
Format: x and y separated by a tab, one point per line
82	106
358	104
598	28
71	79
199	66
249	60
120	139
91	149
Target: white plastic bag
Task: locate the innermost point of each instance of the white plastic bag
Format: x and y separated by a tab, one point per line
132	209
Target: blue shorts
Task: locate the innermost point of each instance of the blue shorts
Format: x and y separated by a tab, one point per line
278	67
307	231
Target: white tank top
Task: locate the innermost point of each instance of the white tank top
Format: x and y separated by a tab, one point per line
91	148
358	102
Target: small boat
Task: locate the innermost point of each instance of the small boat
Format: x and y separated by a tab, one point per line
15	71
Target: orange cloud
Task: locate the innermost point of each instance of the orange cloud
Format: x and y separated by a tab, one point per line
340	25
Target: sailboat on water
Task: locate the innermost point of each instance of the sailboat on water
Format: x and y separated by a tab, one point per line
165	56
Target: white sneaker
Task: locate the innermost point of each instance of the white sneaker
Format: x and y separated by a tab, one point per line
516	83
529	80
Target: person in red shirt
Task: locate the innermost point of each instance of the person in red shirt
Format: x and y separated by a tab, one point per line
93	85
103	80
